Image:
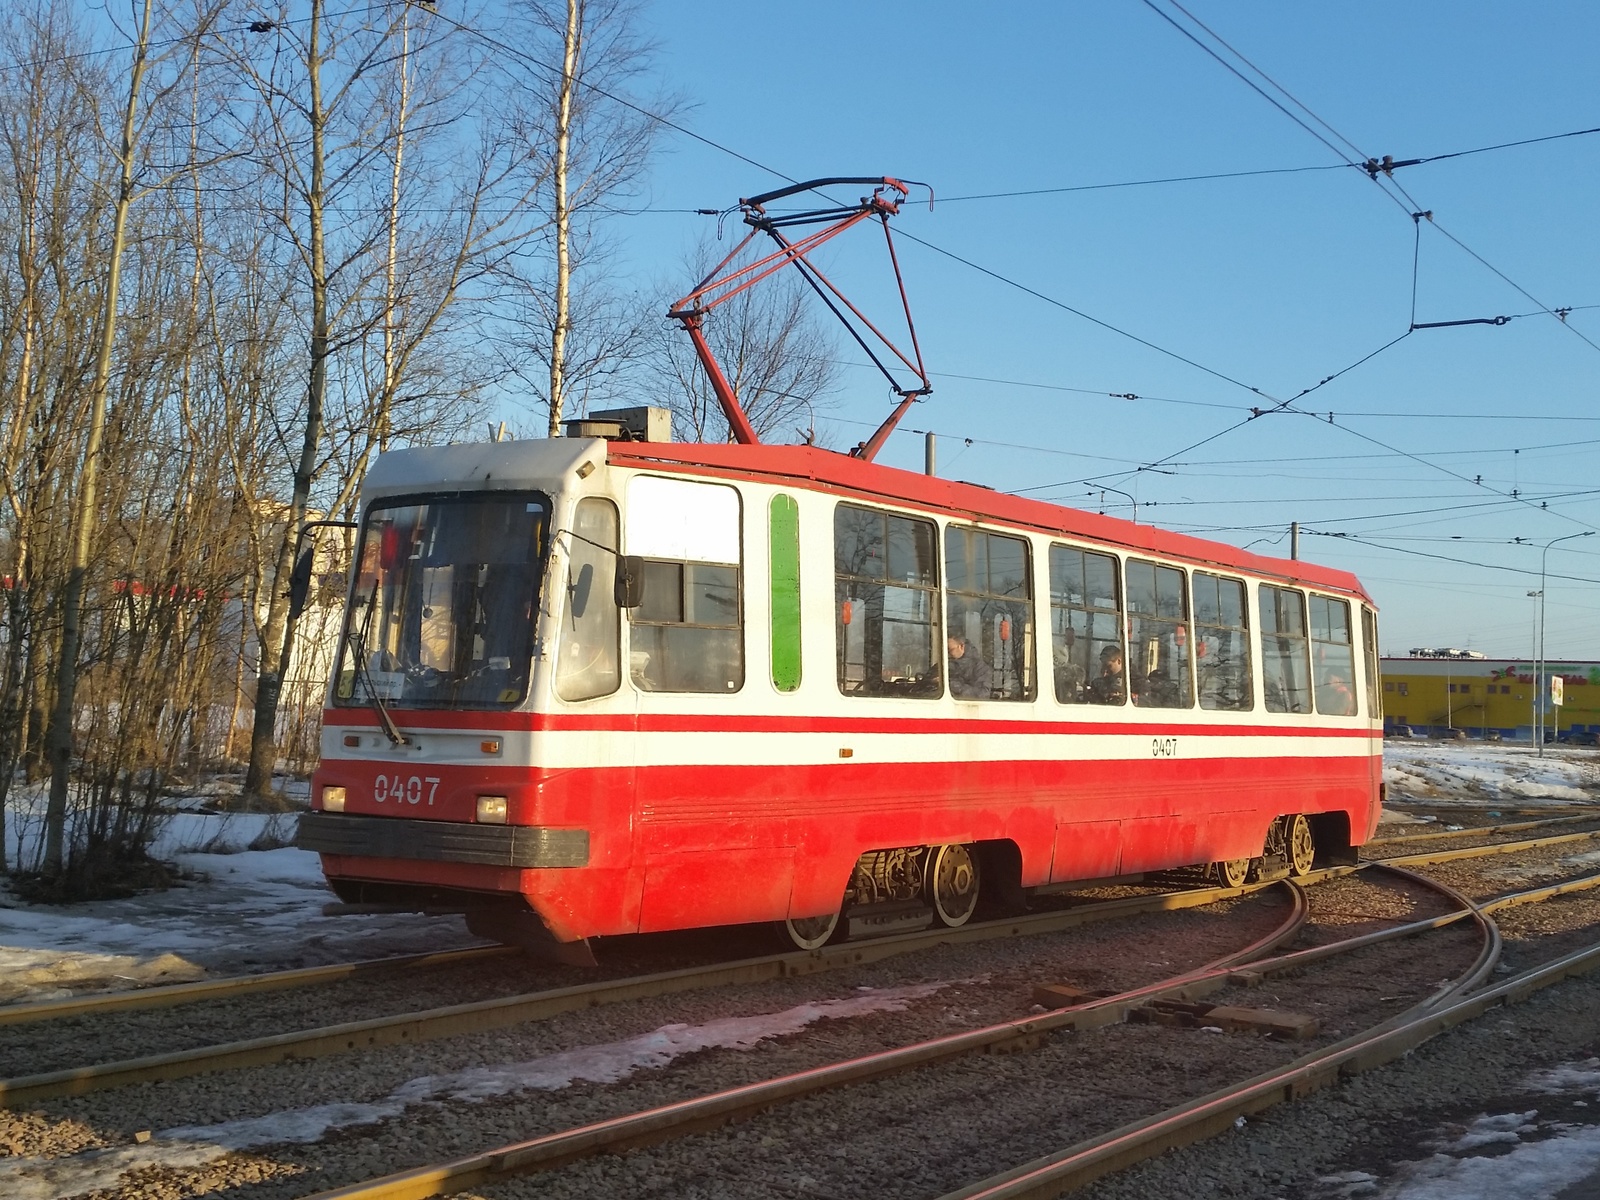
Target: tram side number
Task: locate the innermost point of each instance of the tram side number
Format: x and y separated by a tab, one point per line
1164	747
404	789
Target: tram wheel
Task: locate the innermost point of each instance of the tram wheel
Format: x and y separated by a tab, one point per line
810	933
953	885
1302	846
1232	872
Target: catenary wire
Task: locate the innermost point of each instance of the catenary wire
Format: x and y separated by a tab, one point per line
1404	199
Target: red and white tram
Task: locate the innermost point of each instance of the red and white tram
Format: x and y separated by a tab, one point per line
593	687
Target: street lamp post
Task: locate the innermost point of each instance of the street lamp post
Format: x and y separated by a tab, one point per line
1449	701
1533	708
1540	687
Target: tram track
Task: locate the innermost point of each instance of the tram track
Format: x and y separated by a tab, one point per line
1080	1164
1021	1034
230	987
478	1016
501	1012
1077	1165
171	994
686	1117
1472	831
48	1141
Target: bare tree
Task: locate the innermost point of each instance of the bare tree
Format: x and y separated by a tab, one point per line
771	347
600	142
344	106
51	163
130	161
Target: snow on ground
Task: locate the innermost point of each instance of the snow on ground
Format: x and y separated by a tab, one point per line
194	1145
1477	774
242	910
1500	1155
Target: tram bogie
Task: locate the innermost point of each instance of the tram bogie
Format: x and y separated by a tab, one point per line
591	688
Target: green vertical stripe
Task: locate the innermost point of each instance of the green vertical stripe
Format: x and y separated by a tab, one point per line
785	558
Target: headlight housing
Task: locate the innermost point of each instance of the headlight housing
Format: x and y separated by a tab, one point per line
332	799
492	810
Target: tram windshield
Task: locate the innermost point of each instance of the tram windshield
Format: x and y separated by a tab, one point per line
445	601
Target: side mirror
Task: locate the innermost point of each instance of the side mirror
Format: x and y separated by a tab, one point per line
630	581
300	582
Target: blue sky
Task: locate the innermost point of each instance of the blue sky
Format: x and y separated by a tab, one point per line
1275	281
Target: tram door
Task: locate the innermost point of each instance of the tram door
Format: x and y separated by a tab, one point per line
702	835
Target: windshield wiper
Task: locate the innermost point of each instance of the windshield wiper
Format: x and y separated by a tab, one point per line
357	641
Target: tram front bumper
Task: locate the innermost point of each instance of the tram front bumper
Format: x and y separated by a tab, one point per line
520	846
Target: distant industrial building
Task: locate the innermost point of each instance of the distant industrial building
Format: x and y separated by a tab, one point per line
1437	690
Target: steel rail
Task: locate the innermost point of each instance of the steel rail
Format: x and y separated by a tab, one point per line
1479	830
699	1114
169	994
1492	943
1438	856
708	1112
1054	1175
477	1016
505	1011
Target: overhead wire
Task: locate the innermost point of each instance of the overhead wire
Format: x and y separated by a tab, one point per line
1347	537
1379	173
1078	312
1133	183
1379	177
1386	166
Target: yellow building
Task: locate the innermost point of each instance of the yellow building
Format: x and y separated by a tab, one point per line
1433	694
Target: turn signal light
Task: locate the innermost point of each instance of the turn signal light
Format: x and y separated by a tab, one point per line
333	799
490	745
492	810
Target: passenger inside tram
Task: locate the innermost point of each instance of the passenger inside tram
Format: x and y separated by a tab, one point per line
1069	673
970	676
1110	686
1334	695
1159	691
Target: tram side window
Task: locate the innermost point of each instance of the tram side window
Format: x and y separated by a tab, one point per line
588	661
687	633
1222	643
886	604
1158	636
1369	655
1285	664
989	602
1086	627
1334	654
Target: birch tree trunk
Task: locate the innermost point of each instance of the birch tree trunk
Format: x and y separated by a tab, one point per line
59	736
571	45
277	637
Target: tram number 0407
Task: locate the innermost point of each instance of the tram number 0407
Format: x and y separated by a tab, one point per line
1164	747
404	789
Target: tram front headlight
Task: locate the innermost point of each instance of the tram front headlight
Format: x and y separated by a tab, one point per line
492	810
333	799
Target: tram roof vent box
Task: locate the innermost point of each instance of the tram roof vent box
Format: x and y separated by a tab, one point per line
644	423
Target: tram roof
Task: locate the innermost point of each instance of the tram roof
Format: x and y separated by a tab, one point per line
832	471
